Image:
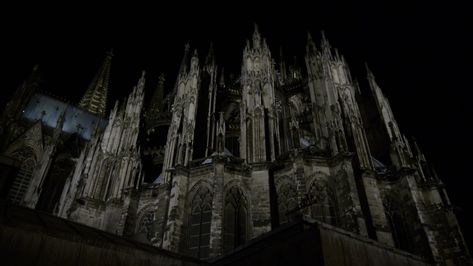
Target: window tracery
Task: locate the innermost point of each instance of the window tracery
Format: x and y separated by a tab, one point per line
235	219
199	223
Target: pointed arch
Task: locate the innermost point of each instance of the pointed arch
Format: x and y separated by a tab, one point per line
287	200
26	155
235	225
106	170
199	221
53	185
406	228
324	202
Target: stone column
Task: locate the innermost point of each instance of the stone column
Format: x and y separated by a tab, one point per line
176	211
358	215
260	200
216	227
376	208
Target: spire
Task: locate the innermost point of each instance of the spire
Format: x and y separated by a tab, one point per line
183	66
95	98
368	72
194	60
326	48
24	92
356	84
419	153
157	98
337	55
210	59
222	78
310	47
182	69
324	41
282	65
256	38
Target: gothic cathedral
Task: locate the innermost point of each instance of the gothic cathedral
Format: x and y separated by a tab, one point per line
217	160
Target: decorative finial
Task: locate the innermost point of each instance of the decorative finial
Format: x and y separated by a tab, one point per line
368	70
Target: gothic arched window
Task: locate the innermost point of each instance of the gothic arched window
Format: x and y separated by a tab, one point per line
322	207
407	231
235	219
101	190
287	202
53	184
22	180
199	223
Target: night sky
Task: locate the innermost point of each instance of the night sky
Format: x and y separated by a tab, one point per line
419	53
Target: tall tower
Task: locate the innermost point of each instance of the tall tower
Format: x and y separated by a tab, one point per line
209	93
95	98
324	97
427	207
257	114
108	168
179	146
336	116
400	150
181	132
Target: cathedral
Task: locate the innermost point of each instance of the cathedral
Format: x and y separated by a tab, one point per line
217	161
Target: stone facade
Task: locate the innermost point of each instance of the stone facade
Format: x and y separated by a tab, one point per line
217	160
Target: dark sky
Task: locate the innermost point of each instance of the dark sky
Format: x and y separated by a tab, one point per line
419	52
